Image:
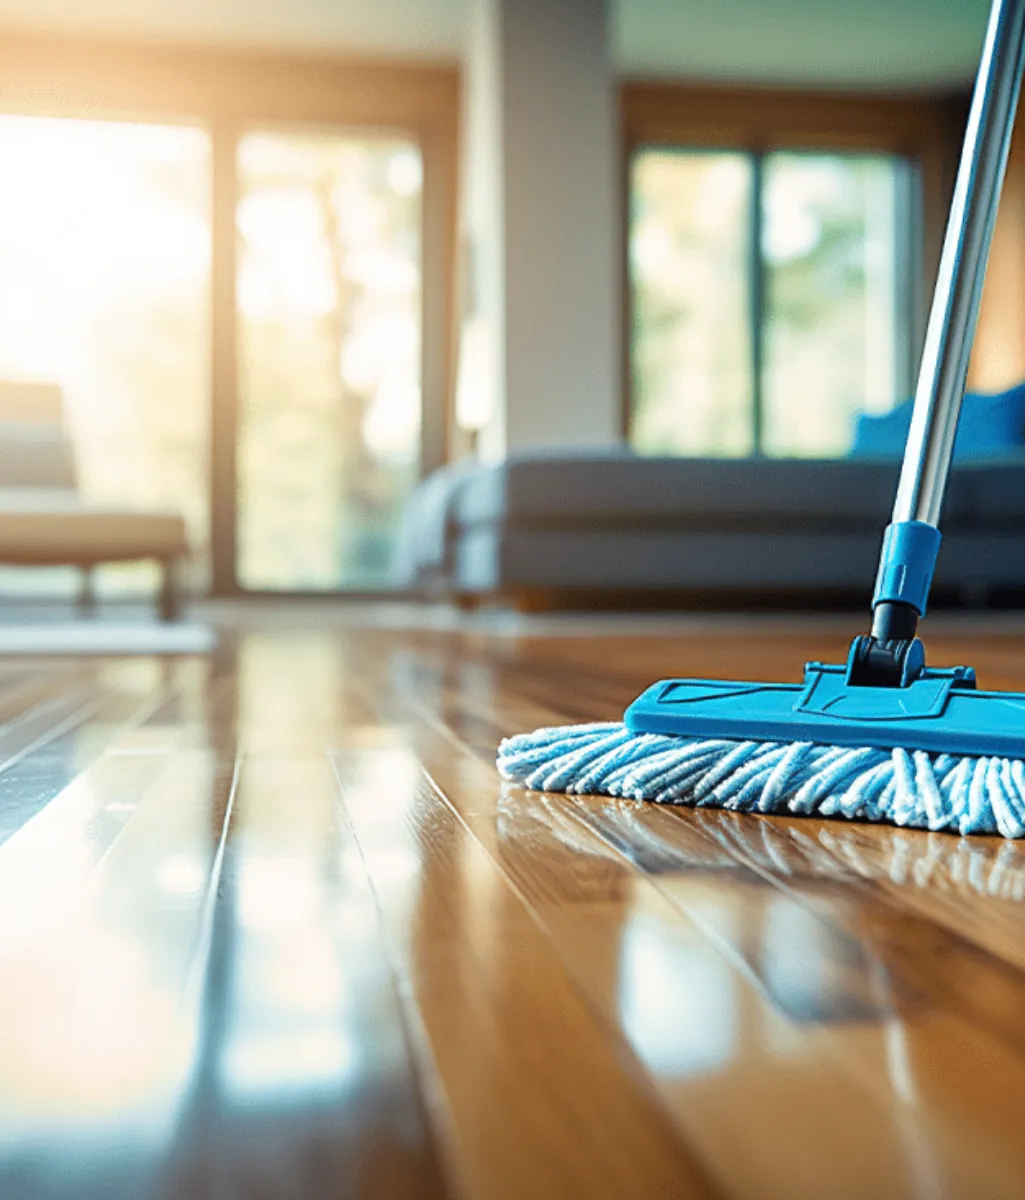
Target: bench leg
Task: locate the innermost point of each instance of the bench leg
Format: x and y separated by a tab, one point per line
170	594
86	604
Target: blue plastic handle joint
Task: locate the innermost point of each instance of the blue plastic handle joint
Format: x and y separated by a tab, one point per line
906	566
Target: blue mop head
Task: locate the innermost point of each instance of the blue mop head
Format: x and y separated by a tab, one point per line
963	794
934	753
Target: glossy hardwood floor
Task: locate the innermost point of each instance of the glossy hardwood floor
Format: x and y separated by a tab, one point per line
271	927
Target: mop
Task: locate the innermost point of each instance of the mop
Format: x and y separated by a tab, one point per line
882	737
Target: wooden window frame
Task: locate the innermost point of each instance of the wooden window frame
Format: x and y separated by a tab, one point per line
230	93
926	130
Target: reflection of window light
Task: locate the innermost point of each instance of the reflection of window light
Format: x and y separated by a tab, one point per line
94	1035
288	1064
808	968
792	958
395	864
182	875
306	978
276	892
676	1002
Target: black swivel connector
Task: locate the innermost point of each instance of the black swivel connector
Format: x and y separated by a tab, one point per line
891	655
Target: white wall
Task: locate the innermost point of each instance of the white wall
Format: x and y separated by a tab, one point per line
480	380
541	353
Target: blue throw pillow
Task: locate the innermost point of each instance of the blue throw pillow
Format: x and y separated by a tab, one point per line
990	426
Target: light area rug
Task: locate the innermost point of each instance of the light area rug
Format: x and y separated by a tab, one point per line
86	636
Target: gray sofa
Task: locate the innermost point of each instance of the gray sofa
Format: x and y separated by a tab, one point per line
538	529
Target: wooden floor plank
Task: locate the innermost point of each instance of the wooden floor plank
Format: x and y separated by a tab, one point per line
272	927
824	959
994	926
869	853
731	1106
970	889
304	1086
522	1060
78	716
953	1051
110	880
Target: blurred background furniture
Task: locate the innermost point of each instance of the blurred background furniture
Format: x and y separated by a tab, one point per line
543	528
45	521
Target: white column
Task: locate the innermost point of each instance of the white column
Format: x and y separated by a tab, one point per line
540	346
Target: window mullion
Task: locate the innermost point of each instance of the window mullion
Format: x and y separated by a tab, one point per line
756	309
910	302
224	362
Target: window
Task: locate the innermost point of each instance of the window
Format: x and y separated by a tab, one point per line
329	355
770	298
691	343
239	279
104	290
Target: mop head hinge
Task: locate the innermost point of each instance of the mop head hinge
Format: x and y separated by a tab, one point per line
896	663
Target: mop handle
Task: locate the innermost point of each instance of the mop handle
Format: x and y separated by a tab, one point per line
955	305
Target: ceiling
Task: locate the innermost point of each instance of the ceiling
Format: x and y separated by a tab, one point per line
860	43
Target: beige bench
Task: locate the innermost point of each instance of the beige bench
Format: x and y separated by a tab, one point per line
43	519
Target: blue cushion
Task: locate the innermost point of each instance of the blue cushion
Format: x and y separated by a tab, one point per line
990	426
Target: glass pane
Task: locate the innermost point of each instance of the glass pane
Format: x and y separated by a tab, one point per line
833	316
691	351
104	284
329	300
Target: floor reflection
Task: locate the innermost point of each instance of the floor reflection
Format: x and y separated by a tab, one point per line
272	922
989	867
678	1006
296	958
98	1039
304	1084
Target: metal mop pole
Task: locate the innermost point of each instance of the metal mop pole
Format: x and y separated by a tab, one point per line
912	539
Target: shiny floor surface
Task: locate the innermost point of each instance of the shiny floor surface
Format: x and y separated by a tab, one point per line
271	927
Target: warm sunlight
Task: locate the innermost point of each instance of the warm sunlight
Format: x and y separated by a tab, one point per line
88	214
329	350
105	261
104	290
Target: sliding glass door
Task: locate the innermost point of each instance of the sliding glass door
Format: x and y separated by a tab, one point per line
113	236
104	324
329	351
